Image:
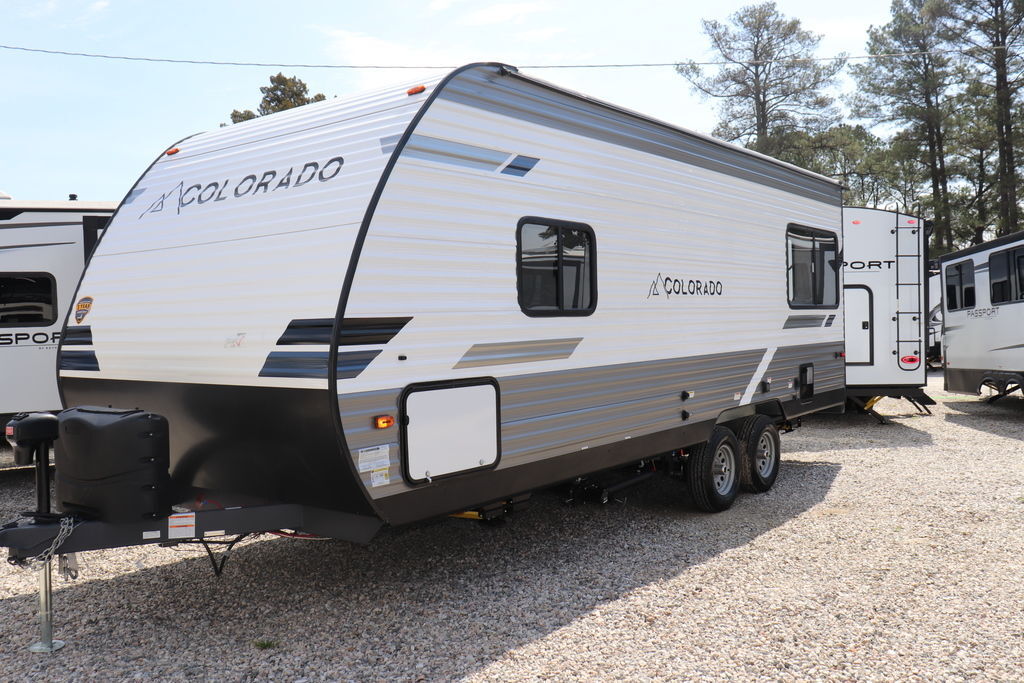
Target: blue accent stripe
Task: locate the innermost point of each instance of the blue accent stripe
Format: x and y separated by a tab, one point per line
78	360
313	364
520	166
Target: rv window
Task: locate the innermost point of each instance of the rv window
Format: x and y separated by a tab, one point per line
999	277
812	260
27	300
556	268
1019	258
960	286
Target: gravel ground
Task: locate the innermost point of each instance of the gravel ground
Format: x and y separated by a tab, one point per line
883	552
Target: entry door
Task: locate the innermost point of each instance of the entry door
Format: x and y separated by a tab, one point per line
860	325
449	428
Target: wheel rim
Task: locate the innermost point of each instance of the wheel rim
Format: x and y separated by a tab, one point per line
766	455
723	468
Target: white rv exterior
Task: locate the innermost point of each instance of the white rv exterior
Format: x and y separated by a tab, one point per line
43	248
535	285
983	316
885	292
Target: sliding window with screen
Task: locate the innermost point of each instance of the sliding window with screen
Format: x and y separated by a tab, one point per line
812	267
556	267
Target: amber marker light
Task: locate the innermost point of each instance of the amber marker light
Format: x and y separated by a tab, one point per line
415	90
383	421
172	150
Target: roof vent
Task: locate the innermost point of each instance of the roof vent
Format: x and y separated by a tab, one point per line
4	195
72	197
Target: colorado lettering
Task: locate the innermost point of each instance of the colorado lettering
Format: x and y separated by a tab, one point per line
186	194
676	286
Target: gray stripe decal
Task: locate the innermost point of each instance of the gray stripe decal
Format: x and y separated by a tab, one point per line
520	98
78	360
755	379
12	226
550	413
803	321
30	246
1007	348
79	335
313	364
502	353
520	166
448	152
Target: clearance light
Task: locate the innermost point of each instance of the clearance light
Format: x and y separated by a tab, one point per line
415	90
910	360
855	222
911	221
383	421
172	150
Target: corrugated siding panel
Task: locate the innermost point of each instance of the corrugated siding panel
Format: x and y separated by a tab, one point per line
200	292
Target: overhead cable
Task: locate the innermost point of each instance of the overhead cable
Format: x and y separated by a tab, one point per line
167	60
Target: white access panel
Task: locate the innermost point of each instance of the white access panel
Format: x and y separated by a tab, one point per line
858	324
451	430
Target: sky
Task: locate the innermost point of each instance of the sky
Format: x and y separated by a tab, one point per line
92	126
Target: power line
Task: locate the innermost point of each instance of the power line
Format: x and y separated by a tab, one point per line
167	60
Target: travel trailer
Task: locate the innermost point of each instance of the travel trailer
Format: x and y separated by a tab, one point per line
983	317
885	288
435	299
43	248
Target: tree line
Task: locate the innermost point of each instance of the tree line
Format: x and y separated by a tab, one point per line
932	127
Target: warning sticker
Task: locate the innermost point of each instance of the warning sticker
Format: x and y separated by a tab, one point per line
380	477
374	458
181	525
150	535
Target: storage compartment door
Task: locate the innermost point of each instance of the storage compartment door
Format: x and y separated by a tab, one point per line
450	428
859	325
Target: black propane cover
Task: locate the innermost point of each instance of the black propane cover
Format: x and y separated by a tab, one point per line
112	464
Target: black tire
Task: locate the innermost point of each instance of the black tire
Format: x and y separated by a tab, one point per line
713	471
762	453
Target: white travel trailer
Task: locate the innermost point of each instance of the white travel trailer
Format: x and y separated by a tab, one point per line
983	317
43	248
886	293
384	308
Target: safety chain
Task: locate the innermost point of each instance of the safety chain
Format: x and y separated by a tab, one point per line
67	526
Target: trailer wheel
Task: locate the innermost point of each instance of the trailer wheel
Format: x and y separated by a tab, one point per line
713	471
761	447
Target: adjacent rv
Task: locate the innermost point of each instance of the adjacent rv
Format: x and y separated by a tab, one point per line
983	317
933	355
43	248
885	287
426	300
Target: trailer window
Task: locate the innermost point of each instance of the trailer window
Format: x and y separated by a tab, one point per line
1019	259
960	286
27	300
812	263
999	277
556	267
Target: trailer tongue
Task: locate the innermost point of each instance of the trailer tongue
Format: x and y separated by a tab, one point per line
113	490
